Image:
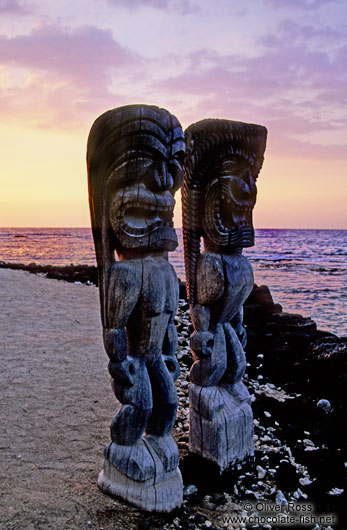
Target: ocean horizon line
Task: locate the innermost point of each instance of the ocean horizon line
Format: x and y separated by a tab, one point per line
177	227
305	268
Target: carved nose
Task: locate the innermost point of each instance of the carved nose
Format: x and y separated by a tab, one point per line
243	187
240	189
161	179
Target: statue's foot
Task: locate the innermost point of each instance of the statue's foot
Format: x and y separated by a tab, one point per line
166	449
163	496
238	391
135	461
226	436
137	475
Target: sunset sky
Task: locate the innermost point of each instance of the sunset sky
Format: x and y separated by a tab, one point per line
279	63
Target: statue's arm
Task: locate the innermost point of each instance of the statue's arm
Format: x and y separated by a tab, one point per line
170	340
201	339
210	286
209	350
123	289
120	365
208	341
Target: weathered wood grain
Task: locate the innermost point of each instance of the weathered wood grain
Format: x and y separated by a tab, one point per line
223	159
134	168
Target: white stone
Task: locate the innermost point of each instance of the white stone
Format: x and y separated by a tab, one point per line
336	491
280	498
261	472
324	404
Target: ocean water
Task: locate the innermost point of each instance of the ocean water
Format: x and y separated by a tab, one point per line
306	270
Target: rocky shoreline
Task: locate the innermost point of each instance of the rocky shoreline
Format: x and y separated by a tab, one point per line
297	377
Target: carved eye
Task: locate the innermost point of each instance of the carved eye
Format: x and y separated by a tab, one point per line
229	167
131	170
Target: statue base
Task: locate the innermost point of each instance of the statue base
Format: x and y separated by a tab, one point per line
145	475
221	424
151	495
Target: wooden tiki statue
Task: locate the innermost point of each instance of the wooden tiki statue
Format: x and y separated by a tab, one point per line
223	159
134	159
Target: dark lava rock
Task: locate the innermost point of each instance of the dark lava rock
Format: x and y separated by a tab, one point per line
286	476
187	525
199	518
146	524
324	367
260	302
219	498
186	359
69	273
282	339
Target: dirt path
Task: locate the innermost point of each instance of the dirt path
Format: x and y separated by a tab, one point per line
56	405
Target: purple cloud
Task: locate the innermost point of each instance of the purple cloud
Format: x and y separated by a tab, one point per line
57	107
160	4
71	74
298	4
12	6
86	55
294	86
183	6
305	34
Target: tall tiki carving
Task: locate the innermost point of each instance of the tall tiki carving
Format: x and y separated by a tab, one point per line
223	159
134	162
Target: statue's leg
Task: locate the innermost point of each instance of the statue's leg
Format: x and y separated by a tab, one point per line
130	421
221	420
163	415
144	470
162	420
127	452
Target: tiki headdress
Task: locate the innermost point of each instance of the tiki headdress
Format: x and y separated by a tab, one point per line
223	159
134	158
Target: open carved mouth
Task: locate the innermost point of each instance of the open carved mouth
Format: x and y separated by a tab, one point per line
140	211
228	220
139	219
237	202
232	216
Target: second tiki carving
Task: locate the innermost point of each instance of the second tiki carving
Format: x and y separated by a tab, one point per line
223	159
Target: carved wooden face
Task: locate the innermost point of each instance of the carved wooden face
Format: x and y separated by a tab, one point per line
229	200
238	193
141	193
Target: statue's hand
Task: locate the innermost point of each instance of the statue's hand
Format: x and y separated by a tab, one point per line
170	340
116	343
201	343
122	371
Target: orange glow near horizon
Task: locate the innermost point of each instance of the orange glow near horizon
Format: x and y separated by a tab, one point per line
45	184
44	178
279	64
